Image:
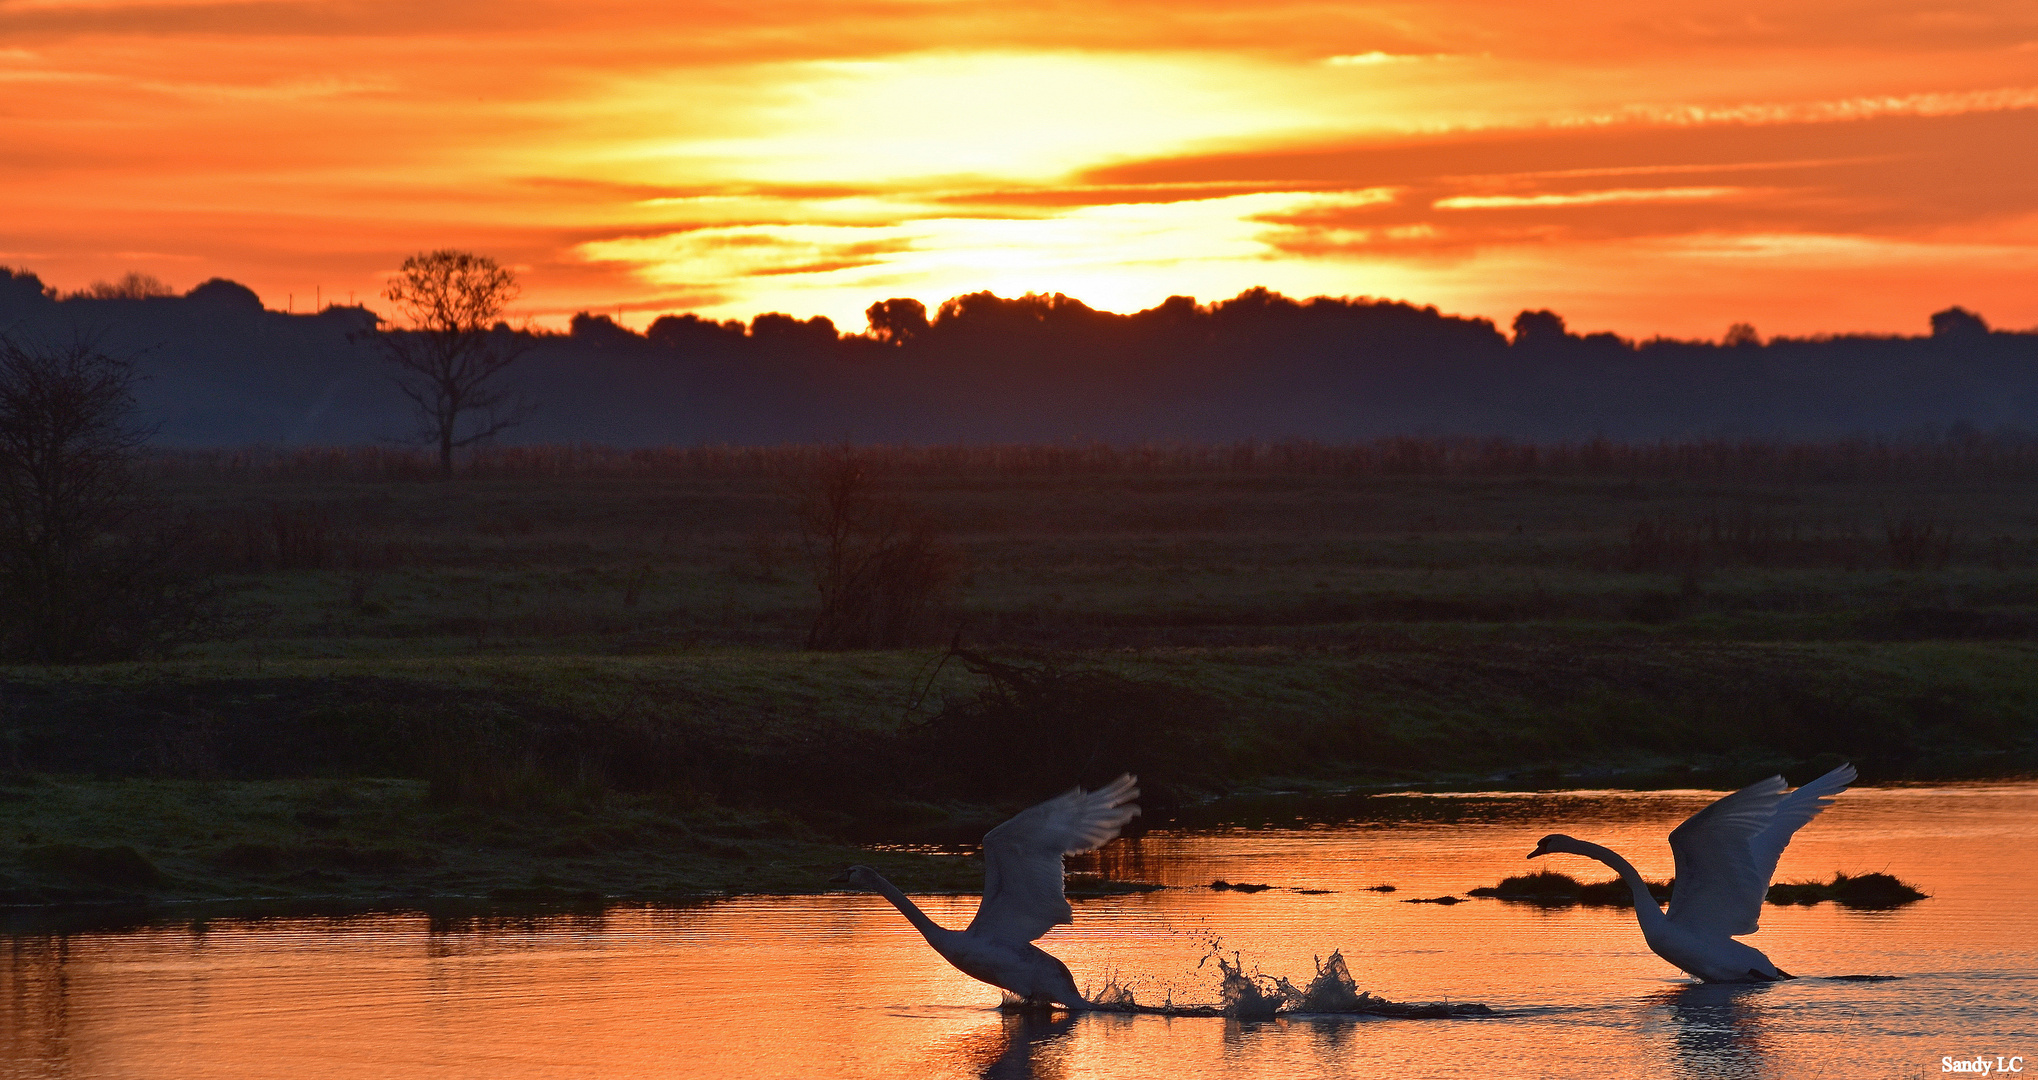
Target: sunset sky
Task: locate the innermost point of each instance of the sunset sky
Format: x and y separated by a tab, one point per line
1667	166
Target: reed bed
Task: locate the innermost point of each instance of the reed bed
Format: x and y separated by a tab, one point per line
1863	460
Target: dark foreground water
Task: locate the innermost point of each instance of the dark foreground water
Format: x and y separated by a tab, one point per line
839	985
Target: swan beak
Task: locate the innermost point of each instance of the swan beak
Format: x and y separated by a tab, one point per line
1539	851
840	879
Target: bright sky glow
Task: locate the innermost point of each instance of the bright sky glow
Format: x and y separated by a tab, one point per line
1639	166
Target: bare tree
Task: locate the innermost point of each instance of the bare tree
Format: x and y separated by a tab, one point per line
449	361
83	576
879	566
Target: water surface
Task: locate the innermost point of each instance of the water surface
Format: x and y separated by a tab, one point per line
839	985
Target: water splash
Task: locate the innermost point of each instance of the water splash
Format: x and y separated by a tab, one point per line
1112	994
1245	995
1333	990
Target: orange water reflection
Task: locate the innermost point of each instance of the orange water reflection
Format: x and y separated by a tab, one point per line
840	986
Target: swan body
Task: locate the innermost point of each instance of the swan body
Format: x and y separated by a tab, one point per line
1726	854
1023	896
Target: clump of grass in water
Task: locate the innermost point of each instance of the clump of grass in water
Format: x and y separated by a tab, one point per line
1221	885
1862	892
1552	888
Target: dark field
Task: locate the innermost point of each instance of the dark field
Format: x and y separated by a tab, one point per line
581	671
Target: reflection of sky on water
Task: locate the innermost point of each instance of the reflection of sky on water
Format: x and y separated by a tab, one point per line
1019	1046
1718	1031
840	986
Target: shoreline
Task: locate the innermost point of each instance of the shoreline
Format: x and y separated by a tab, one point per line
468	884
741	771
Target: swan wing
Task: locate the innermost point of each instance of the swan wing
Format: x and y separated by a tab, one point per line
1022	858
1727	852
1719	886
1796	809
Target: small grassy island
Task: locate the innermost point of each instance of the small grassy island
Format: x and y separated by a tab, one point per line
1552	888
1863	892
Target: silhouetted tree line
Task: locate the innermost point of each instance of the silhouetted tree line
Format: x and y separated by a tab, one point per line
1046	368
1262	364
982	327
1053	330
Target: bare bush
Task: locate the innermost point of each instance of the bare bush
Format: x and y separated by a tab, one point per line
640	578
1919	543
878	564
362	565
768	552
85	574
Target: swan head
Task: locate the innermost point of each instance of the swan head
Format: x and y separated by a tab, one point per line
858	877
1558	843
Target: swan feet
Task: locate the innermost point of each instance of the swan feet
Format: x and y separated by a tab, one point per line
1757	975
1015	1004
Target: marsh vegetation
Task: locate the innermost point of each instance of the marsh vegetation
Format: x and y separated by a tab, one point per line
607	655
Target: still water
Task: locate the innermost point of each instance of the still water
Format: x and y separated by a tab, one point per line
840	986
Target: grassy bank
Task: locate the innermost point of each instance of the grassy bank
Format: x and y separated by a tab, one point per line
578	672
756	770
78	840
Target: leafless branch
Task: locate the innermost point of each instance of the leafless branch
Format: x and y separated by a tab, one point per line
449	362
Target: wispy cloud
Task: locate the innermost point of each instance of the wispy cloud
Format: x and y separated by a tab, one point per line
1115	252
1377	58
1831	111
1583	198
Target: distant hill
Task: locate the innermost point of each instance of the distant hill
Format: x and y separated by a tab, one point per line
222	370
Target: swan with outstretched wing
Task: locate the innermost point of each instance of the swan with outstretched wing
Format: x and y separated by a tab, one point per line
1726	854
1023	896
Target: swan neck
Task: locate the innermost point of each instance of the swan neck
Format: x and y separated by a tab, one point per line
928	927
1646	908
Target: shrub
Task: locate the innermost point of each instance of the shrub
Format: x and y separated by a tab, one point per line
84	574
877	563
120	866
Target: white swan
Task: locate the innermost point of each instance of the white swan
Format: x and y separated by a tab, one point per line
1726	854
1022	893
